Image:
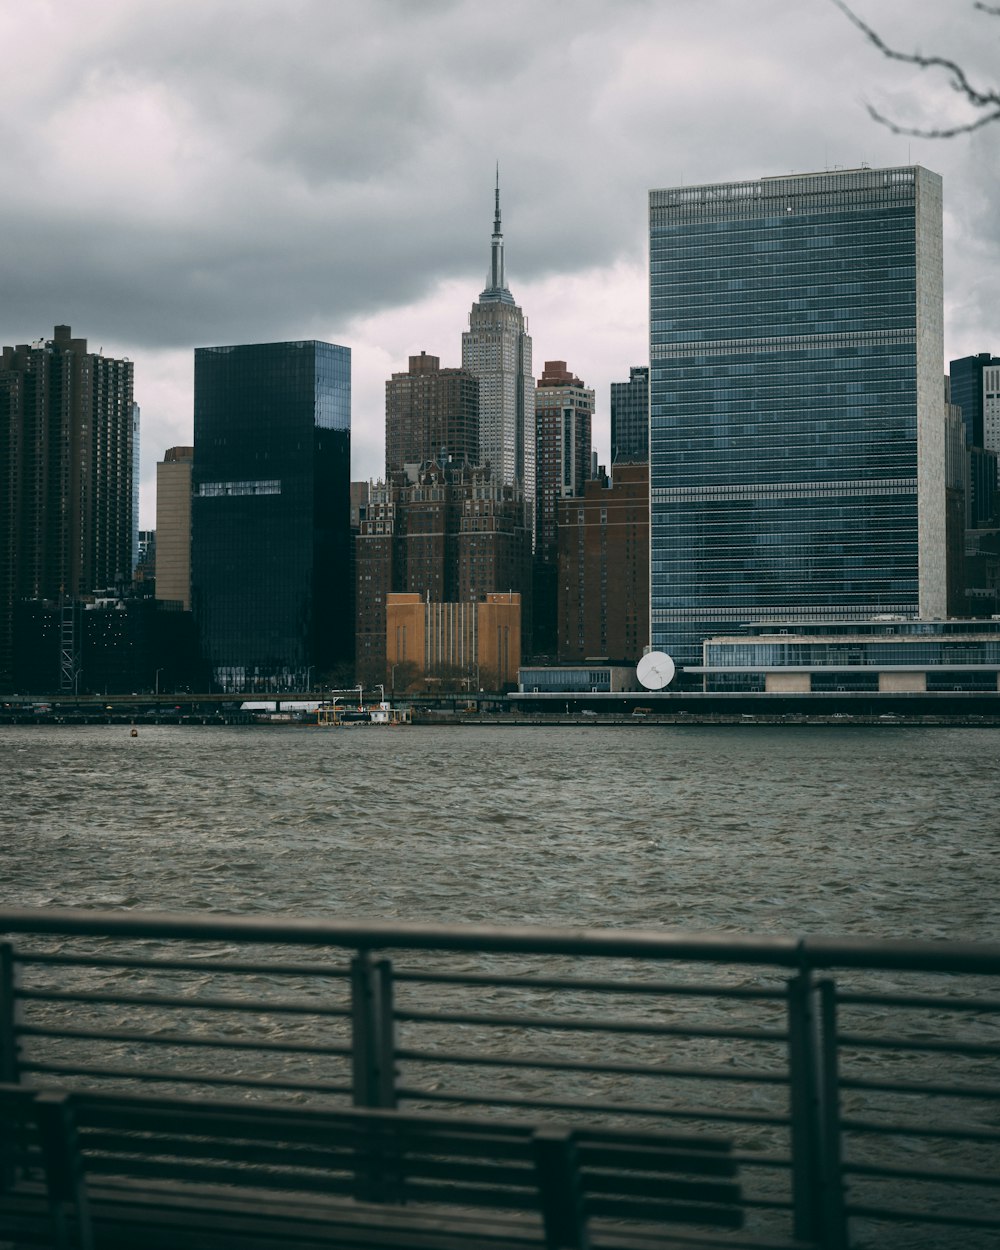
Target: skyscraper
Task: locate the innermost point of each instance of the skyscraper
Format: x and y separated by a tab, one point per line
796	421
173	526
496	349
431	412
271	512
66	484
630	417
564	410
969	390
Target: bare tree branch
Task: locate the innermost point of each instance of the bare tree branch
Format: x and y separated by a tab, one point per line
988	100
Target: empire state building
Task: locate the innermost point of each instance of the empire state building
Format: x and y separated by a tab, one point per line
496	349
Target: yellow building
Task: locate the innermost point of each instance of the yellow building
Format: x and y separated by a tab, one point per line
477	643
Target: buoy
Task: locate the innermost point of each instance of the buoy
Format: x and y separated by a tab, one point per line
134	733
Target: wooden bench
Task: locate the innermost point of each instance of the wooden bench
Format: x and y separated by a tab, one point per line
209	1174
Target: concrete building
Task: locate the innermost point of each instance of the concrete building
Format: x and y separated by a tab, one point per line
883	656
564	409
431	414
630	417
173	526
496	349
604	569
270	518
66	479
797	443
446	533
471	644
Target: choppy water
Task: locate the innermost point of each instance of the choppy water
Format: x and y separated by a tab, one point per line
879	830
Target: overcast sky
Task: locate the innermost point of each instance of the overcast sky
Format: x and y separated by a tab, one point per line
181	173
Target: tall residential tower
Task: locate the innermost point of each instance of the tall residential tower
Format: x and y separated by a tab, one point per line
797	435
66	477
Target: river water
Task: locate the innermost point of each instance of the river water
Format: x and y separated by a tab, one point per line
880	830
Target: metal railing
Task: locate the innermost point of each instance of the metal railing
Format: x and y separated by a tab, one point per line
857	1079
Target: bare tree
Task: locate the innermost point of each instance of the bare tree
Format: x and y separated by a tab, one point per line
985	100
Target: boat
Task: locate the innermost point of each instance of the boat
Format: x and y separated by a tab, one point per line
382	713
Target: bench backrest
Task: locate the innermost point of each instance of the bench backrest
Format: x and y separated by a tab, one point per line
571	1177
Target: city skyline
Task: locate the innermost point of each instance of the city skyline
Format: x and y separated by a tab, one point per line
163	195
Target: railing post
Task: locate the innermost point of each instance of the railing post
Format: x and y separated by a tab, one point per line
803	1071
372	1032
834	1217
10	1014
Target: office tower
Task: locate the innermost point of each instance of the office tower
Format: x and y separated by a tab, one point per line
630	417
496	349
796	430
604	569
564	409
66	482
270	512
447	533
173	526
974	391
431	414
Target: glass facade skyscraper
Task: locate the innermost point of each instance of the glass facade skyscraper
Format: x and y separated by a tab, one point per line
270	516
796	412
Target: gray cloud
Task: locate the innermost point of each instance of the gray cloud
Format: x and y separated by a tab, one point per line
207	172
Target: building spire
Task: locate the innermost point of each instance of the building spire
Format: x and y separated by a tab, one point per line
496	282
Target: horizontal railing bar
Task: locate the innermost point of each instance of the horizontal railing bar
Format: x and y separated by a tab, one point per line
180	1039
860	1042
919	1130
816	952
989	1092
933	1001
187	965
385	935
571	1024
179	1000
589	1104
182	1078
922	1217
469	1059
596	984
922	1174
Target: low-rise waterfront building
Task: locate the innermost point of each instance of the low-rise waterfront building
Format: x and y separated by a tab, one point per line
883	655
591	677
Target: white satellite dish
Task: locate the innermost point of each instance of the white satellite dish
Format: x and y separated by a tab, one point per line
655	670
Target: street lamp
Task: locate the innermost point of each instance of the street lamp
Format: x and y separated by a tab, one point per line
309	671
157	681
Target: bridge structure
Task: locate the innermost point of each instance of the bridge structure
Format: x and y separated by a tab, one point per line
852	1083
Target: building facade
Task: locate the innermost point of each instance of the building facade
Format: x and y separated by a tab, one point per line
445	533
564	410
796	433
878	656
173	526
604	569
971	389
472	645
66	477
270	512
431	414
496	349
630	416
